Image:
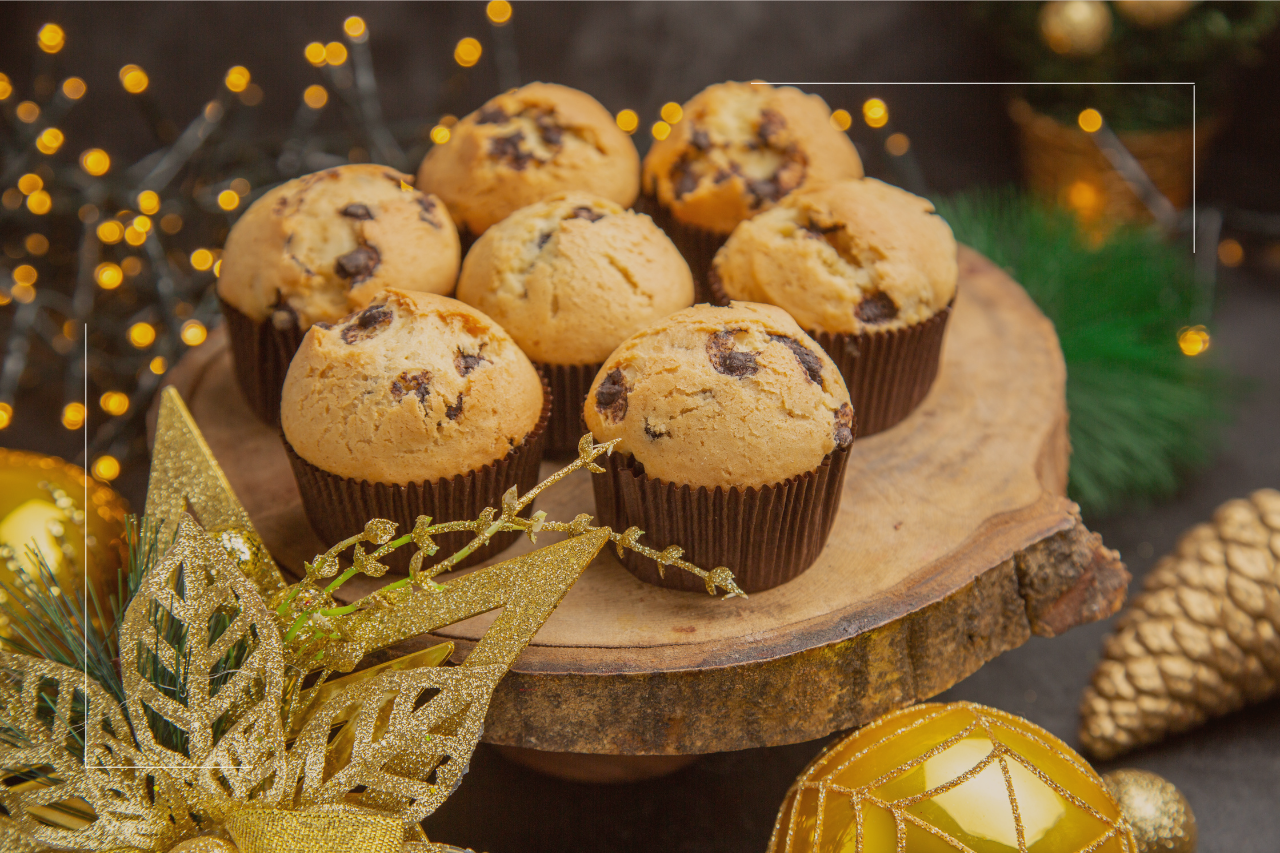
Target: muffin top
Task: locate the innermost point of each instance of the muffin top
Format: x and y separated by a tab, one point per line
573	276
737	396
525	145
416	387
321	246
741	147
854	257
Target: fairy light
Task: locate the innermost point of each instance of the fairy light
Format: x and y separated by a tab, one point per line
114	403
875	113
467	53
335	53
134	237
73	415
440	134
134	79
74	88
498	11
315	96
193	333
110	232
95	162
6	415
149	201
201	259
627	121
1230	252
315	54
1194	340
897	144
141	223
39	202
354	28
228	199
25	275
237	79
36	244
49	140
158	365
109	276
142	335
24	293
27	111
51	38
30	183
106	467
1090	120
841	120
671	112
660	130
6	88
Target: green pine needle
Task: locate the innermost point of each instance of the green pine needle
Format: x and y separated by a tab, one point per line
1142	413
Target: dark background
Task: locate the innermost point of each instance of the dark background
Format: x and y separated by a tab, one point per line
639	56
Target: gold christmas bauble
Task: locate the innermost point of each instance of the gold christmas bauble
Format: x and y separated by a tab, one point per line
955	777
1153	13
1075	27
72	520
1158	814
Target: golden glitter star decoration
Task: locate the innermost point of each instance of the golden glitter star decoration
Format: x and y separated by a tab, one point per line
237	719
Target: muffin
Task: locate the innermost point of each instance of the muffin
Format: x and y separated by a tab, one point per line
570	278
734	430
869	271
315	249
525	145
738	150
416	405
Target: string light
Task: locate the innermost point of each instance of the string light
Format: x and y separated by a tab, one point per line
110	232
39	203
73	415
142	335
51	38
114	403
95	162
27	111
672	112
106	468
627	121
875	113
141	223
201	259
237	79
149	201
49	140
315	54
37	244
841	120
1090	120
467	53
158	365
897	144
1230	252
6	415
1194	340
660	130
24	293
335	53
354	28
29	183
440	134
134	79
193	333
315	96
6	88
25	274
109	276
498	11
134	237
74	88
228	199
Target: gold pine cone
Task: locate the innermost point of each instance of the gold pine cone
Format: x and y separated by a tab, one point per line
1201	640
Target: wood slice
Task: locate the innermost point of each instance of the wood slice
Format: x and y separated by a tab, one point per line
954	543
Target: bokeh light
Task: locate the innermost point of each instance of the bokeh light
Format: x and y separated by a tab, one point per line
193	333
875	113
201	259
660	130
49	140
628	121
1230	252
1194	340
315	54
354	28
237	78
897	144
134	79
1090	120
498	11
440	134
114	403
671	112
110	232
142	335
106	468
51	38
73	415
467	53
315	96
39	202
108	275
148	201
228	199
95	161
335	53
27	111
841	120
74	88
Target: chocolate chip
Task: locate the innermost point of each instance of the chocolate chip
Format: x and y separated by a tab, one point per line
587	214
683	180
808	358
844	426
728	361
722	175
543	238
771	124
764	189
419	384
611	396
654	434
325	326
367	323
455	411
357	211
464	363
428	212
491	115
700	140
508	148
877	307
358	264
548	129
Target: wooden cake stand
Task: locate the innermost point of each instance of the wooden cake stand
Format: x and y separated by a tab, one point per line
954	543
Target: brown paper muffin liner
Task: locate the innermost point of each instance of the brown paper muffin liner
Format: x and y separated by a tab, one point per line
766	536
888	373
569	386
697	245
338	507
261	354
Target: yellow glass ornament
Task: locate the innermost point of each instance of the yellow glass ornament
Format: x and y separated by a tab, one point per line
72	520
943	778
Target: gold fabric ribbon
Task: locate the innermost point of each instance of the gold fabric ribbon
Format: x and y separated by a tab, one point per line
316	831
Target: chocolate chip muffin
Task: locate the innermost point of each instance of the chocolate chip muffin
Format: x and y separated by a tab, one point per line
525	145
415	405
734	431
738	150
570	278
869	271
314	250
